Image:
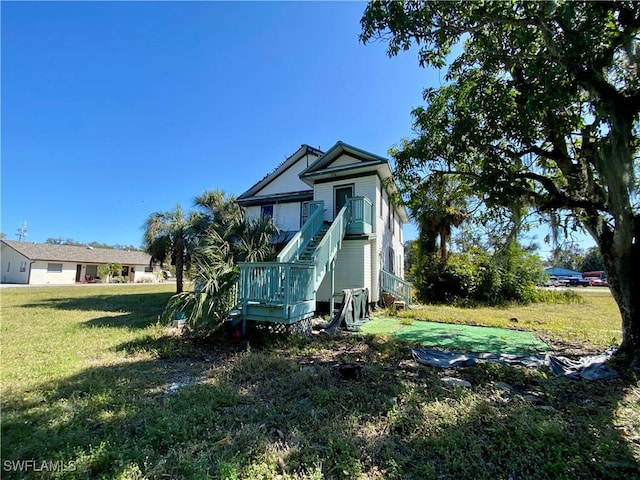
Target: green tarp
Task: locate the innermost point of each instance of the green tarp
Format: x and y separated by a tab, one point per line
458	337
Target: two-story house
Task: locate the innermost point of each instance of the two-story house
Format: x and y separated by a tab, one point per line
345	232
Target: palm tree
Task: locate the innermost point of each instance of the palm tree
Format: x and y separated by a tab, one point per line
440	205
223	223
170	235
224	237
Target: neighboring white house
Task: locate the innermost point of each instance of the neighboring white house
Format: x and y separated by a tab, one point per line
344	171
51	264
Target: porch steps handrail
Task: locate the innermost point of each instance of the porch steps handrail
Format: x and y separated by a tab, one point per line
328	247
396	286
302	238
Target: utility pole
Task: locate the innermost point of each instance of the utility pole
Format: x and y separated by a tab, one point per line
22	232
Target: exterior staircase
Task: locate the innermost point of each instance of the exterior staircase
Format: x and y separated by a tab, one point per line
285	291
394	289
307	254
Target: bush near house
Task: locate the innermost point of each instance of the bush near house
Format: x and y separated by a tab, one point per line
109	271
479	277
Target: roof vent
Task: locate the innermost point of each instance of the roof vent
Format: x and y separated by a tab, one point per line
89	247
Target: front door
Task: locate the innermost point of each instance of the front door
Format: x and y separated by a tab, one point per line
341	194
78	272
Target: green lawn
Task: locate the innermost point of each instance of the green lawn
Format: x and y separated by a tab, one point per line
93	387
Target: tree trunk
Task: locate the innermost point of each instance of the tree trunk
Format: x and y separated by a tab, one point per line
621	253
179	252
443	244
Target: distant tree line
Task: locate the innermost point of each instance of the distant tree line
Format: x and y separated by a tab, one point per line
70	241
575	258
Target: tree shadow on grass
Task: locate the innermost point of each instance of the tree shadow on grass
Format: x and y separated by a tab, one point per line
138	310
243	412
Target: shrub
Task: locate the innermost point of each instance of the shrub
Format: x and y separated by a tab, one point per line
479	277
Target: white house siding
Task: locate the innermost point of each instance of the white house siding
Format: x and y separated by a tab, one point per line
253	212
40	275
285	215
289	180
145	277
11	264
363	187
345	160
349	271
374	272
389	237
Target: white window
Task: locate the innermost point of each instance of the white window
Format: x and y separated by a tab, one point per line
392	255
54	267
148	269
23	266
304	213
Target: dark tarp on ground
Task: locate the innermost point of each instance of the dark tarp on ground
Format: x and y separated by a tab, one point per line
353	312
589	368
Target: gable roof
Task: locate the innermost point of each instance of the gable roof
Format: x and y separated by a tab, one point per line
361	158
363	162
73	253
279	170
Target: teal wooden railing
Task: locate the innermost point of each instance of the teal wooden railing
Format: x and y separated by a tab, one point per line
359	216
274	283
396	286
301	239
328	247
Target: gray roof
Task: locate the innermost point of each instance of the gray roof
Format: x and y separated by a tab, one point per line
72	253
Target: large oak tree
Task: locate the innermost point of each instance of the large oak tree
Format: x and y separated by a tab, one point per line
540	108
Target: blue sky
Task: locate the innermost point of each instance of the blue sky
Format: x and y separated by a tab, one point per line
114	110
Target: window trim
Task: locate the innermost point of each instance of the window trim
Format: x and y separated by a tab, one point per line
267	206
304	216
351	186
52	269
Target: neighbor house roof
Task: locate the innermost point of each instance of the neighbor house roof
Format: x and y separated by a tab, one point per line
72	253
270	177
564	272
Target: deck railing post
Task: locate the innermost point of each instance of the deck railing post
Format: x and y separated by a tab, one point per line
287	287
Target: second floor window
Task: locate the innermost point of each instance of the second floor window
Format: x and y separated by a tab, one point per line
267	211
304	213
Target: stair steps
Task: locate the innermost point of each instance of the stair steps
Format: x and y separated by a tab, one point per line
307	254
